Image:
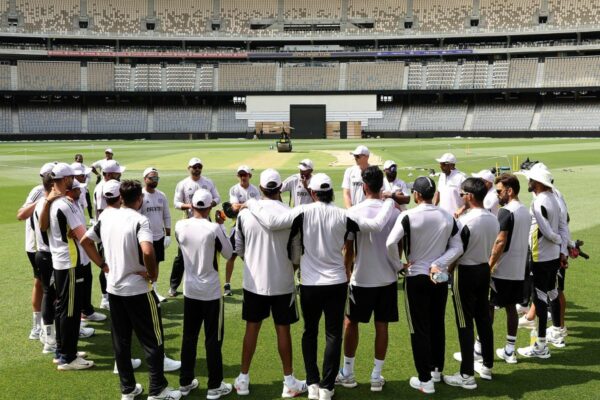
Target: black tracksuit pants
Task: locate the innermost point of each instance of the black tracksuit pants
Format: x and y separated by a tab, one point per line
43	261
68	311
86	299
470	291
426	310
545	290
177	271
316	301
140	314
196	312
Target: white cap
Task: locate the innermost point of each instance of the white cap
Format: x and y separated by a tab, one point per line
320	183
109	150
149	170
486	175
194	161
202	199
111	189
61	170
77	185
388	164
361	151
540	175
80	169
447	158
540	165
47	168
270	179
244	168
305	165
111	166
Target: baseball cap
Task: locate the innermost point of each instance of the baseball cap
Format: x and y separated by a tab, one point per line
77	185
244	168
80	169
486	175
202	199
47	168
540	175
388	164
270	179
320	183
61	170
111	189
305	165
109	150
361	151
194	161
447	158
148	170
425	186
111	166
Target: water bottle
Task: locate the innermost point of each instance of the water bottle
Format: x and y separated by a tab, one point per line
440	277
533	337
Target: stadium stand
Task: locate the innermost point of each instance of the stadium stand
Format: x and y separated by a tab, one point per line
388	15
564	13
5	77
49	75
522	73
415	76
114	16
123	77
49	119
509	15
442	15
206	78
567	71
441	75
237	16
436	117
101	76
117	119
182	119
325	77
312	9
392	114
500	74
227	121
183	16
474	75
56	16
181	77
570	116
5	119
373	76
502	116
148	77
250	77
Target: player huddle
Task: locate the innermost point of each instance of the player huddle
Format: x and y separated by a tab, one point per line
468	235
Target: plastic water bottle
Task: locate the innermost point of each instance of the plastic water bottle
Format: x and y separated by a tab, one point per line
533	337
440	277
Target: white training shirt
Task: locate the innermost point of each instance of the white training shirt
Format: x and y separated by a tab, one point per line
353	182
84	259
121	231
298	193
478	233
239	195
34	195
563	224
544	237
395	186
514	218
99	199
268	270
200	240
372	265
41	238
65	216
82	200
156	208
318	235
185	189
491	201
431	237
449	188
99	165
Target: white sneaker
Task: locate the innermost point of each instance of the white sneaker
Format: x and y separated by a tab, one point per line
171	365
345	381
460	380
136	392
525	323
509	358
483	371
549	316
94	317
476	356
535	351
161	299
313	391
167	394
554	336
34	334
173	293
522	310
80	354
377	384
185	390
425	387
86	332
436	376
104	304
222	390
563	331
49	348
326	394
77	364
242	386
294	390
135	363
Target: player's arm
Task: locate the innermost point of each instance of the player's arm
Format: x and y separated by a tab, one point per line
240	238
349	256
88	241
223	243
268	220
215	194
347	198
373	224
167	219
178	199
453	251
498	248
540	213
149	260
436	198
26	211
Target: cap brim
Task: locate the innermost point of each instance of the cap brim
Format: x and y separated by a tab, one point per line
303	168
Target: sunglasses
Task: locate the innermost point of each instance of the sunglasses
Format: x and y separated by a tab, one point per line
154	178
197	166
463	194
243	175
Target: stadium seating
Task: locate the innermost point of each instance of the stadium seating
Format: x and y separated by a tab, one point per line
206	77
442	15
523	73
312	9
250	77
49	119
392	114
5	119
183	16
5	77
436	117
388	15
373	76
227	121
301	77
236	16
441	75
568	71
117	16
474	75
570	116
148	77
500	70
49	75
181	78
123	77
101	76
48	15
509	15
117	119
502	116
182	119
579	13
415	75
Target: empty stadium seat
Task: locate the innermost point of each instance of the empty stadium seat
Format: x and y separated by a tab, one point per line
572	71
5	119
441	75
123	77
101	76
442	15
227	121
390	122
509	15
182	119
523	73
312	9
183	16
502	116
570	116
251	77
148	77
49	119
117	16
181	78
237	16
574	13
388	15
500	74
311	78
372	76
48	15
436	117
117	119
49	75
5	80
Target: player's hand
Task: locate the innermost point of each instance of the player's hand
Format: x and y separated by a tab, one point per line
387	194
53	195
143	274
434	270
219	218
564	262
167	242
236	207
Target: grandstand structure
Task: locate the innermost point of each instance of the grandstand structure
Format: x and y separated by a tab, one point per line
229	68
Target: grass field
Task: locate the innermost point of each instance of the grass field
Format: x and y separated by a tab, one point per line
572	372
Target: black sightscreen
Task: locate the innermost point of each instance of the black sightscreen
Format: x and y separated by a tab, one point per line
308	121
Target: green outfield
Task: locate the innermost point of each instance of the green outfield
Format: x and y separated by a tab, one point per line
571	372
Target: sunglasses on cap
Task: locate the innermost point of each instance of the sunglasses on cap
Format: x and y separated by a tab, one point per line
196	166
154	178
243	174
306	165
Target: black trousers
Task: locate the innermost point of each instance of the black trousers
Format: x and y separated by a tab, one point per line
102	275
316	301
86	298
177	271
470	292
68	311
89	203
43	261
140	314
426	309
544	283
196	312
